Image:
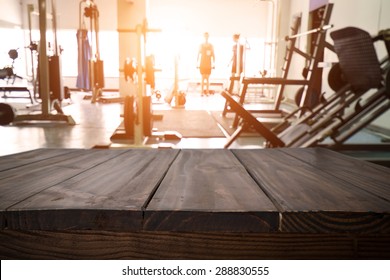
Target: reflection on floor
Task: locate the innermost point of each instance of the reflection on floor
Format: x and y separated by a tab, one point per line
95	124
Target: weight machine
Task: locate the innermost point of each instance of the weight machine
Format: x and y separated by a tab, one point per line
138	115
49	75
363	95
96	65
9	74
310	72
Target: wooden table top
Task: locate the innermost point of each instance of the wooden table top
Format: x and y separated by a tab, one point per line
312	190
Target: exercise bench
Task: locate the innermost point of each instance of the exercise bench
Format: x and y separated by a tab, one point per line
6	89
364	97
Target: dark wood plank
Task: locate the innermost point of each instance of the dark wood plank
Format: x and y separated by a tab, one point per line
109	196
192	204
370	177
312	200
209	190
16	160
20	183
92	244
41	169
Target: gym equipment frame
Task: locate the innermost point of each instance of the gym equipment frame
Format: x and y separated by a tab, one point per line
9	89
44	76
362	99
9	74
138	115
311	71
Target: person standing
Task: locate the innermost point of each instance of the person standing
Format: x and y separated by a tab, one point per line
237	56
206	60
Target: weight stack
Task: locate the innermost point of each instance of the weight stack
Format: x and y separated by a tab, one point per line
98	70
55	79
147	114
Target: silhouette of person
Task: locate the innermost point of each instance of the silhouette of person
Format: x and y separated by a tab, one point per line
237	56
206	60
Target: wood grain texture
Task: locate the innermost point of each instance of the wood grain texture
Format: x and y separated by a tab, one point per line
312	200
370	177
92	244
20	183
16	160
335	222
108	196
209	190
192	204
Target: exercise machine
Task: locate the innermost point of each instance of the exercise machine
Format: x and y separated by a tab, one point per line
310	73
9	74
364	97
83	51
138	115
8	71
136	130
49	75
96	65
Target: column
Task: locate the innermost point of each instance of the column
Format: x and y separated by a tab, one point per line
130	14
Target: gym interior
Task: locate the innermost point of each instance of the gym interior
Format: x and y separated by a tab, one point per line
297	90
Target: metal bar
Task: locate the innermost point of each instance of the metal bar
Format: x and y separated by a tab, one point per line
319	48
305	55
352	130
248	118
54	21
315	30
273	81
138	128
30	9
287	63
44	87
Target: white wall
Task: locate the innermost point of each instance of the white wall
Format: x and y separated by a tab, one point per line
218	17
10	32
221	18
183	23
10	13
68	12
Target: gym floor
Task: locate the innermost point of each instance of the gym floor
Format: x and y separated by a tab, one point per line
95	124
